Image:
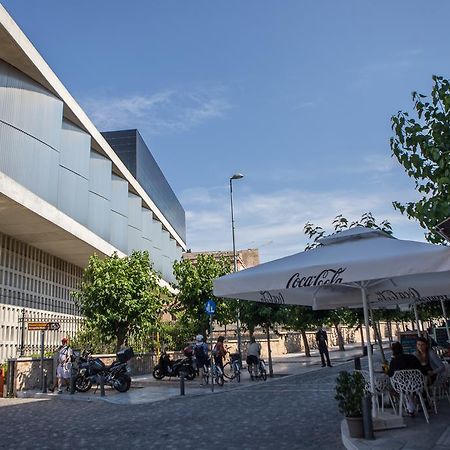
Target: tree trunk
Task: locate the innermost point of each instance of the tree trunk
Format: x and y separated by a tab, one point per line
362	335
306	344
121	335
378	338
269	351
389	325
339	337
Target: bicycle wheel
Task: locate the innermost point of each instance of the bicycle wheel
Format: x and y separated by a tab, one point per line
228	371
263	375
218	378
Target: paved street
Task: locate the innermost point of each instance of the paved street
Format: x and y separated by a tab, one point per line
286	413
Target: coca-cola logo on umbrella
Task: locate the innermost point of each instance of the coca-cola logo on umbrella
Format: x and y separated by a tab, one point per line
326	276
267	297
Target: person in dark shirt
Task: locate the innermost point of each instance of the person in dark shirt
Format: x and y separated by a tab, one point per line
322	343
402	361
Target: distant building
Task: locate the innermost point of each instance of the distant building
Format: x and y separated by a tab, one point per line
66	192
244	258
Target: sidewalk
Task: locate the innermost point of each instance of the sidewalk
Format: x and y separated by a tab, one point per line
145	389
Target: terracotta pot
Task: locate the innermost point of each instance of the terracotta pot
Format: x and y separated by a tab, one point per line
355	427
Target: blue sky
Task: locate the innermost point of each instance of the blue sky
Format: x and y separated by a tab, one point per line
295	95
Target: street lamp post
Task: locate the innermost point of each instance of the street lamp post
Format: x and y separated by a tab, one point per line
236	176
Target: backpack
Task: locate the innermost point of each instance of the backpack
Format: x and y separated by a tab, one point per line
199	353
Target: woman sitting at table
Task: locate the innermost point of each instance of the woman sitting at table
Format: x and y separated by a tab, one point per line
430	363
402	361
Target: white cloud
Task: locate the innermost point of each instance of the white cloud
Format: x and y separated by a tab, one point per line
168	111
274	222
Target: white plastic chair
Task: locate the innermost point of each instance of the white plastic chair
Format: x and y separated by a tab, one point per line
381	388
410	382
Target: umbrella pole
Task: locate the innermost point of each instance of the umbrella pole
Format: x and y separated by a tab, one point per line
416	315
446	321
369	349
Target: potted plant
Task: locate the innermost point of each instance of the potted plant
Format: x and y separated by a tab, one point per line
349	394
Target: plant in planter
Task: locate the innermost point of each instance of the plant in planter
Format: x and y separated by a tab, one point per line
349	394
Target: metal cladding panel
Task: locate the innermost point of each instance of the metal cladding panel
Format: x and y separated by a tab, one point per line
134	211
156	233
119	231
75	149
119	195
100	175
73	195
134	239
99	216
30	162
147	223
26	105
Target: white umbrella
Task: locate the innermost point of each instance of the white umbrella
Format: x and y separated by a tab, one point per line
359	266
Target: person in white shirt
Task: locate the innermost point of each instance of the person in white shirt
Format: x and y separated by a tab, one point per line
64	369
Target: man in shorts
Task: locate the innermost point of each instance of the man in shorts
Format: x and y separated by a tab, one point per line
64	368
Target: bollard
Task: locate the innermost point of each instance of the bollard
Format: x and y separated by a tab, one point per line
10	391
102	386
367	417
357	362
182	383
44	385
72	384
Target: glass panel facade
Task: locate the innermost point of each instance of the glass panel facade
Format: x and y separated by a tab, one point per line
134	153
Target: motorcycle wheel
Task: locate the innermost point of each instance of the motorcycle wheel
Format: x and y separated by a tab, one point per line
158	373
122	383
82	384
190	375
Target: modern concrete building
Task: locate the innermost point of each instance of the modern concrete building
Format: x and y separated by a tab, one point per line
67	192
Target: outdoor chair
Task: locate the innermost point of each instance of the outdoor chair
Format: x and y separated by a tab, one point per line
381	388
410	382
440	389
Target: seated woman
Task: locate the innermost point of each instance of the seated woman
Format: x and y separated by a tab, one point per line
402	361
430	363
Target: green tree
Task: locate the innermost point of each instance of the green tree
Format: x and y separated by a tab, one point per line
121	297
195	285
421	144
303	319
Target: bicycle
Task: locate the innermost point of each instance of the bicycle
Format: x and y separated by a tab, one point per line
213	372
257	370
232	369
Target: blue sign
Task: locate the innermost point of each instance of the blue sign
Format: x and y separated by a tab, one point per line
210	307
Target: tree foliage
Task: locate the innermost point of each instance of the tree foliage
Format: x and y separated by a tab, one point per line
341	223
421	144
121	297
195	285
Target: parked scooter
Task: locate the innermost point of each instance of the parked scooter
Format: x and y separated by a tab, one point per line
92	370
166	367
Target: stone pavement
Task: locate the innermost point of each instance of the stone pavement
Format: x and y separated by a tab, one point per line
294	411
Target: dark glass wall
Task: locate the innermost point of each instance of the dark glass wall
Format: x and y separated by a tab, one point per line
134	153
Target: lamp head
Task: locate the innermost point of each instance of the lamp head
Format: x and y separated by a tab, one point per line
237	176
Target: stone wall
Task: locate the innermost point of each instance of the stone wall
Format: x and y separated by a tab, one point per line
27	371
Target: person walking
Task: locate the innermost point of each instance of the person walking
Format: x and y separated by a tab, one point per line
322	343
64	368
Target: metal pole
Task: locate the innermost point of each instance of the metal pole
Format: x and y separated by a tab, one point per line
22	334
416	315
369	347
446	321
182	375
238	315
42	360
212	356
367	417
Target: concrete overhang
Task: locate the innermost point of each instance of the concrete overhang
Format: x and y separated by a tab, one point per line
28	218
18	51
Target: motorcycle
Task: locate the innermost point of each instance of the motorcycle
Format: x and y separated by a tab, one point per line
166	367
92	370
